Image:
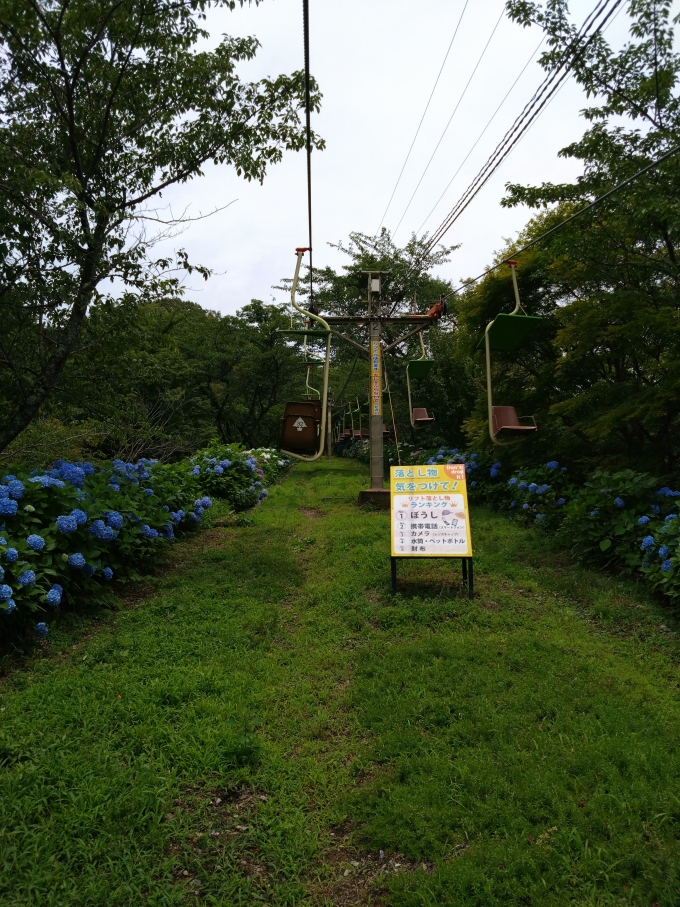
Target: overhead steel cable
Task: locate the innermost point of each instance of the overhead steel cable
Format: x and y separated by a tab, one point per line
401	173
481	134
441	138
305	23
631	179
550	86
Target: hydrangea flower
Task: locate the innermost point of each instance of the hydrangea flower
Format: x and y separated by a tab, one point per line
9	606
53	597
79	516
35	542
89	570
148	532
196	471
5	592
47	482
496	465
167	532
645	564
522	486
100	530
27	578
666	566
620	503
561	502
115	487
77	561
114	519
594	512
671	516
553	464
41	630
513	503
493	473
225	464
525	506
66	524
219	470
513	481
148	491
107	574
643	521
15	489
539	516
12	555
8	507
663	551
72	474
647	543
473	484
533	486
655	509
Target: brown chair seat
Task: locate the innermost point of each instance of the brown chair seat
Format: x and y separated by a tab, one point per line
506	422
300	427
421	416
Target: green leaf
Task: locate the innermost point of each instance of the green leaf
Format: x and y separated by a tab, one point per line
605	544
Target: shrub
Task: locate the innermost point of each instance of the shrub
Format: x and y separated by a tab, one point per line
65	534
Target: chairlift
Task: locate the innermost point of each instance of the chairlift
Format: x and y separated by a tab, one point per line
303	427
418	369
505	334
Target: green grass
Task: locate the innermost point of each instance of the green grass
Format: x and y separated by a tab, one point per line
266	720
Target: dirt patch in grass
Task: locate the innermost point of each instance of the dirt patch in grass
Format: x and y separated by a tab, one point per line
355	878
312	513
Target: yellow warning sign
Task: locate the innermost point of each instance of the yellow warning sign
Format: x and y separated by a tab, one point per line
430	516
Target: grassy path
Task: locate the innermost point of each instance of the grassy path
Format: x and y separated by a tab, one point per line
267	721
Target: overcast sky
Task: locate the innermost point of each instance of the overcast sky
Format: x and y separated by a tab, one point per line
376	62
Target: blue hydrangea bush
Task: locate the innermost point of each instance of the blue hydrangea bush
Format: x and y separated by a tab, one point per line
68	532
236	475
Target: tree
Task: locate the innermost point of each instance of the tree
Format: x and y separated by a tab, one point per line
605	374
105	104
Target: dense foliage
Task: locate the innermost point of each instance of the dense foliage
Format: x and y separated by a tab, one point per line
68	532
106	103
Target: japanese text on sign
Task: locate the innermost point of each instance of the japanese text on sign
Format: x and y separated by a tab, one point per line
376	379
430	511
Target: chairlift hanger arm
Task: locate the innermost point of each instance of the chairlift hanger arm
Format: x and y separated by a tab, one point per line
354	343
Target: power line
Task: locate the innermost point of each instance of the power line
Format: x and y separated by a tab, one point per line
441	138
568	220
530	112
479	137
401	173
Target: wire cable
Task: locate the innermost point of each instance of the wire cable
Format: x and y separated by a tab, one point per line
441	138
568	220
479	137
530	112
401	173
305	25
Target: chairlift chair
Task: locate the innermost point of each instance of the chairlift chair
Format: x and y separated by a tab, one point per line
505	334
418	369
303	427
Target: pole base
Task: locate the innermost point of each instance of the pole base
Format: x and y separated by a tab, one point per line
378	497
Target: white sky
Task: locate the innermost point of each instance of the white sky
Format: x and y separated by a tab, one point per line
376	62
